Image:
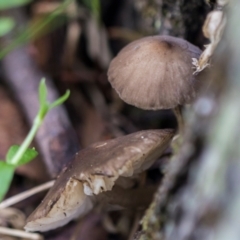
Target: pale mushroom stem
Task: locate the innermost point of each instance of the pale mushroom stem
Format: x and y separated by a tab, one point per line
178	113
129	198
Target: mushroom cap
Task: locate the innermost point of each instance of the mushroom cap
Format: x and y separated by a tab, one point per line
94	170
155	72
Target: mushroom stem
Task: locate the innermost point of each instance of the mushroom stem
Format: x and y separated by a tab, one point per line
178	113
129	198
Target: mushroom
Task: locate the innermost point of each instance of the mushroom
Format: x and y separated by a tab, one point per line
156	73
92	174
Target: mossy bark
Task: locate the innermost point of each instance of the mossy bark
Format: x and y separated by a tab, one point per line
199	197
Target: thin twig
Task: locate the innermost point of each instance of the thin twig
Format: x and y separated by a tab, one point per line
17	198
20	233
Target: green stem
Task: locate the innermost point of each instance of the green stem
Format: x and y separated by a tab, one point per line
36	124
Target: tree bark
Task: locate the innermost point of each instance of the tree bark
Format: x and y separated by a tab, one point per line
199	196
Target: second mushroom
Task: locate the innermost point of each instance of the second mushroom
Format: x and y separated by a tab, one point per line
97	174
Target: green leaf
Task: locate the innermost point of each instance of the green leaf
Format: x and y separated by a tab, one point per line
29	154
5	4
40	28
60	100
6	175
6	25
42	91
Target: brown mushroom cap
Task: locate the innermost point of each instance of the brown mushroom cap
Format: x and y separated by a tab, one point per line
155	72
95	170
